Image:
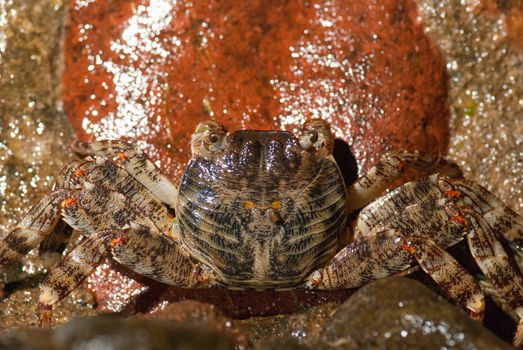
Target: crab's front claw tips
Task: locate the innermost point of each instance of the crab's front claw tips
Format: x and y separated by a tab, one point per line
45	315
518	335
476	316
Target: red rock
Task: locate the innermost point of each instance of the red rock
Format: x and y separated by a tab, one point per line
151	70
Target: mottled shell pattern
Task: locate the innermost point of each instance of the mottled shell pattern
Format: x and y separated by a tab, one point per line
262	209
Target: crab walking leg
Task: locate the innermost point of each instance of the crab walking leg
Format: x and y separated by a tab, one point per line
151	255
439	218
71	271
34	227
499	217
392	204
464	192
455	281
495	264
365	260
105	173
136	163
386	253
52	247
388	169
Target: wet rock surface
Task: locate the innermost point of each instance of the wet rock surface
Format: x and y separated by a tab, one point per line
485	91
34	138
20	308
400	313
199	315
34	132
298	330
157	68
394	313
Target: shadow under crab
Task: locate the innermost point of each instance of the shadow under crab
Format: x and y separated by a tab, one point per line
268	210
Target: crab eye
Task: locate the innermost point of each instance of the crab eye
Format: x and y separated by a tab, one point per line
213	138
313	136
208	137
317	137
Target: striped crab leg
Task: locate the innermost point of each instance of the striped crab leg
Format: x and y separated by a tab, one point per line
388	170
503	220
39	223
105	173
113	224
387	254
138	248
136	163
495	264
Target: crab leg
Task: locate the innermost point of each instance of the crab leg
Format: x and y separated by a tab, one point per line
106	173
151	255
391	205
501	218
386	253
453	279
495	264
71	271
98	208
388	170
34	227
136	163
53	245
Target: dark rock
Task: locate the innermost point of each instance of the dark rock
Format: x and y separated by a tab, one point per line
116	334
400	313
199	315
285	343
293	330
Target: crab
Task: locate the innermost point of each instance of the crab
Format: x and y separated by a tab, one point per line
268	210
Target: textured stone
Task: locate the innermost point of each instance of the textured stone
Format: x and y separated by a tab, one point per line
485	92
297	330
199	315
400	313
34	132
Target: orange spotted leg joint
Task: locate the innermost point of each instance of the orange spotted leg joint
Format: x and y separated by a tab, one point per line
115	242
69	202
407	247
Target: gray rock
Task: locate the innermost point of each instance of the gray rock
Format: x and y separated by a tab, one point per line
400	313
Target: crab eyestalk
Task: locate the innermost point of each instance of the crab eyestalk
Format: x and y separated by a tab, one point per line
317	136
208	137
